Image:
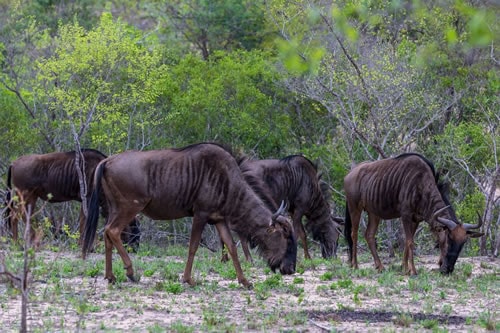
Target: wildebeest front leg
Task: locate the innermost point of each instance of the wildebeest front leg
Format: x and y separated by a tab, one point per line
225	235
371	231
194	242
409	227
246	250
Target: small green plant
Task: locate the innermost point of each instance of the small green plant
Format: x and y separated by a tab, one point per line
489	321
447	309
298	280
467	269
213	319
92	271
156	328
262	292
430	324
327	276
403	320
149	272
179	327
347	283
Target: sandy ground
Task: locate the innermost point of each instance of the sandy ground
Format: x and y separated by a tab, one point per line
306	303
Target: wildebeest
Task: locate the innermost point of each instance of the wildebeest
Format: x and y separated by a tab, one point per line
295	180
201	180
405	186
53	177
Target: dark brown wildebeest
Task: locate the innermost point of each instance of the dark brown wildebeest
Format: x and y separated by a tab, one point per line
202	181
405	186
295	180
53	177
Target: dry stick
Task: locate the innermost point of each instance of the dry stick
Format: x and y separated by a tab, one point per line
325	328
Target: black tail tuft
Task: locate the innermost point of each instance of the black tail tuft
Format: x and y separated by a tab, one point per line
93	212
8	198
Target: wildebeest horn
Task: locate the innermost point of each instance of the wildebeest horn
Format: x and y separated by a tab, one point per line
338	220
448	223
439	212
280	210
468	226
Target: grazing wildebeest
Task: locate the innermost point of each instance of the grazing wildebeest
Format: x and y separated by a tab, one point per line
295	180
53	177
405	186
201	180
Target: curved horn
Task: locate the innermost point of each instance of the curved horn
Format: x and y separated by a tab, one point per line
468	226
439	211
280	210
448	223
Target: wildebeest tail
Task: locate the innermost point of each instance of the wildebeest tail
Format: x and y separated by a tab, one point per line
8	197
348	229
93	211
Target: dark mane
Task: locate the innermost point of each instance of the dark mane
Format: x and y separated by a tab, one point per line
429	163
259	188
289	158
325	190
85	150
224	146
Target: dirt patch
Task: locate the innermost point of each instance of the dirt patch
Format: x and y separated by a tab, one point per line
70	294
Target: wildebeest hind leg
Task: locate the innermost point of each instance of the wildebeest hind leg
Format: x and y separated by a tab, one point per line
371	231
112	238
194	242
355	215
227	239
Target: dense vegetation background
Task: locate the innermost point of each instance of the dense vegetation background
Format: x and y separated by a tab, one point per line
339	81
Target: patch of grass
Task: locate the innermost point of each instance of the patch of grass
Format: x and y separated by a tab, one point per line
298	280
156	328
466	270
93	270
430	324
446	309
327	276
179	327
403	320
388	278
169	287
295	318
489	321
345	284
172	270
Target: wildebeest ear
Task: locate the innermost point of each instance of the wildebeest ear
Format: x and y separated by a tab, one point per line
474	234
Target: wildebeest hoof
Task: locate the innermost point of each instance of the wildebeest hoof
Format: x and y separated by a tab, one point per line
132	278
189	281
111	279
246	284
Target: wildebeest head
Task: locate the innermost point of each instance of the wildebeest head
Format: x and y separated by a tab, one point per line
452	238
281	249
327	233
282	232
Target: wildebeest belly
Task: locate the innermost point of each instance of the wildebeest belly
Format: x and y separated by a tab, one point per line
163	210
